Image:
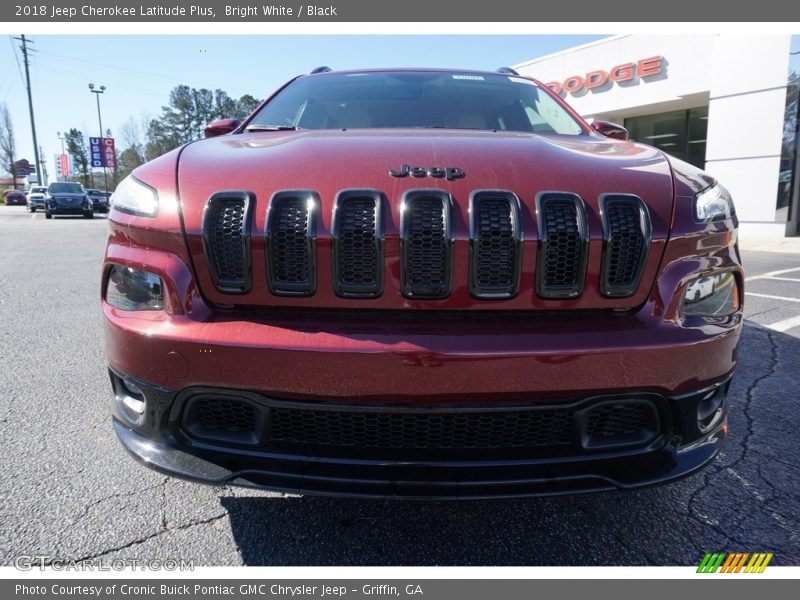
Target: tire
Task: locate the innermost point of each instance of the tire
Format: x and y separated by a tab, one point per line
88	215
48	214
30	209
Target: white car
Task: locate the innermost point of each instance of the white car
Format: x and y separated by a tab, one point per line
35	198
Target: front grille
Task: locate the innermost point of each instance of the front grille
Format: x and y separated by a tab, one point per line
291	243
358	244
563	244
226	241
627	238
495	245
426	244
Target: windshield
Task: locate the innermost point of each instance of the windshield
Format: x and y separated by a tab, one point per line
65	188
38	190
416	99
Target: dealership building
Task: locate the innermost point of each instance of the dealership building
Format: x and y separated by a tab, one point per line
725	103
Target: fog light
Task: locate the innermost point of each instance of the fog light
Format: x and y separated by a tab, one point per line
132	289
712	296
129	399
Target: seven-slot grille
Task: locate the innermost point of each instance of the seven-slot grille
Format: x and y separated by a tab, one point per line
495	245
627	239
563	243
426	243
226	240
292	243
358	243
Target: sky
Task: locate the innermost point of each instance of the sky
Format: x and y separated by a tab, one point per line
139	71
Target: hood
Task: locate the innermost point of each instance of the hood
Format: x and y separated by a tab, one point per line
328	161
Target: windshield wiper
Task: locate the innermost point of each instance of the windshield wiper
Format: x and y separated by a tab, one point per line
271	128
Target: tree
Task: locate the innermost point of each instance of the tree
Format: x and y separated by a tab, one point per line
132	148
8	147
186	116
246	105
76	146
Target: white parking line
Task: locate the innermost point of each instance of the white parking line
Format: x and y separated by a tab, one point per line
771	297
772	274
784	279
785	324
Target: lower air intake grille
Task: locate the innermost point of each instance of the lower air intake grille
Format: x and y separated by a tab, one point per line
426	244
291	243
627	237
620	423
358	244
442	430
229	417
224	418
563	238
226	241
494	245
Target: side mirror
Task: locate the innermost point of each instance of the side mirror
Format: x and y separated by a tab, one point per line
612	130
221	127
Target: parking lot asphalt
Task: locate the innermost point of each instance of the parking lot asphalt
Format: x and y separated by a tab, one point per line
68	491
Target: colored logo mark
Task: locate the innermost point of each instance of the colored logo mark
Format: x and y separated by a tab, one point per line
735	562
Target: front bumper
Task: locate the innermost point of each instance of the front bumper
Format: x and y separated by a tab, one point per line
67	209
161	441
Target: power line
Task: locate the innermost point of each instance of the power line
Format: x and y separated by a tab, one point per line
82	77
16	58
96	64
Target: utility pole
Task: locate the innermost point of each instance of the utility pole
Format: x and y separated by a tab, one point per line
30	107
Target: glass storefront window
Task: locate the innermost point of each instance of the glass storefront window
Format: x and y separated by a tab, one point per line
681	133
785	206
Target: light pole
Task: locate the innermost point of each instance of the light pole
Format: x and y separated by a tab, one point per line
100	121
61	138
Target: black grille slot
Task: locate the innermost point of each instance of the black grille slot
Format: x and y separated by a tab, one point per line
358	244
563	245
627	239
431	430
620	424
291	243
495	245
222	418
226	241
426	244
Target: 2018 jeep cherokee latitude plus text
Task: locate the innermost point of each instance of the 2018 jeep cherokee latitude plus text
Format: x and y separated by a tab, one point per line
421	283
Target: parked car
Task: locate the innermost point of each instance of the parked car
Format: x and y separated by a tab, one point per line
14	198
67	198
35	198
421	283
99	200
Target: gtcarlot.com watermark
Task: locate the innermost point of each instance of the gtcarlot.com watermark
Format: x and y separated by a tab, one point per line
42	562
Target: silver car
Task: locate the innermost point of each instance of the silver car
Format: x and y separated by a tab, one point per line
35	198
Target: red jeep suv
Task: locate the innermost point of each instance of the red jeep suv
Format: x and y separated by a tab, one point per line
421	283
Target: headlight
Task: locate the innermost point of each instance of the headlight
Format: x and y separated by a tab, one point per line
132	289
714	204
136	198
712	296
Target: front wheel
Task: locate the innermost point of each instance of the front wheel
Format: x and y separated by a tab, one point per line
88	215
48	214
31	209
